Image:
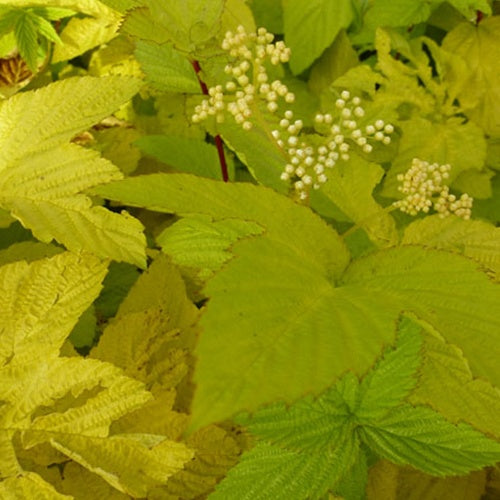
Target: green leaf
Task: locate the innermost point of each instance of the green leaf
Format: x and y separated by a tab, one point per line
469	8
400	13
258	151
184	154
311	26
480	47
25	31
269	472
335	61
166	69
42	177
393	377
421	437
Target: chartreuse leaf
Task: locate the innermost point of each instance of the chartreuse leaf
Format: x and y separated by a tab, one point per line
437	286
159	459
462	145
58	289
392	380
327	433
476	239
480	47
447	385
350	187
67	402
311	26
42	176
421	437
152	338
165	68
143	338
29	485
279	291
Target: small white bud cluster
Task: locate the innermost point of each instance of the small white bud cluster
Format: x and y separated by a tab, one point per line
422	185
249	78
345	126
308	165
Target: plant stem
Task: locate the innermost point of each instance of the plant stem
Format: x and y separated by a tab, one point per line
218	139
479	16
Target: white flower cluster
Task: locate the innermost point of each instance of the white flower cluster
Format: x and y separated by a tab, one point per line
423	190
308	165
249	78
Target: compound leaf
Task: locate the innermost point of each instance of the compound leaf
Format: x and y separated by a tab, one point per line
423	438
268	472
41	177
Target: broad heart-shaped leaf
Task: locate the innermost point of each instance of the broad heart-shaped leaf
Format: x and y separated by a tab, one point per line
165	68
439	287
268	472
297	332
422	438
283	221
350	187
42	176
348	413
315	424
480	47
310	27
462	145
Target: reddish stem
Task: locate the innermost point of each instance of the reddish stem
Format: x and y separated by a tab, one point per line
218	139
479	16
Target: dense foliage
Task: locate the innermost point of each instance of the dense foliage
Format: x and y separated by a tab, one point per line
249	249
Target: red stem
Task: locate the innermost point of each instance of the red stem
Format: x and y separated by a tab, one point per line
218	139
479	16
